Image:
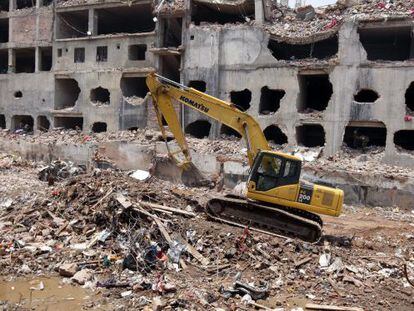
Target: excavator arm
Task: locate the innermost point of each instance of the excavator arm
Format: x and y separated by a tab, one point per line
164	91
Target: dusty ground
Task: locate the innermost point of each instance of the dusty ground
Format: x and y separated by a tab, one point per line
42	227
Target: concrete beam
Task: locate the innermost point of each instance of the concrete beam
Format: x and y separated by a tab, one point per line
258	11
92	22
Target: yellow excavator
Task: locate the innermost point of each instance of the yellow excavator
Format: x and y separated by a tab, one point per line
277	202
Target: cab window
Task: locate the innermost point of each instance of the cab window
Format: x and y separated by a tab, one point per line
268	173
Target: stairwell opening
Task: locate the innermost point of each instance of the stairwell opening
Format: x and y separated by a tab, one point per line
198	129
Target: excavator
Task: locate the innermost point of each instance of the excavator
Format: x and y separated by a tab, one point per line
277	201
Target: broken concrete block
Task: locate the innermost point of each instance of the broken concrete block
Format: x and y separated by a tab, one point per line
81	277
68	269
157	304
305	13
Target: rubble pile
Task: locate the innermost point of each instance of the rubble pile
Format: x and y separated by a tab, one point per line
148	244
357	162
289	23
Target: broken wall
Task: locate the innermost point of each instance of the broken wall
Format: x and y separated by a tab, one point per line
235	58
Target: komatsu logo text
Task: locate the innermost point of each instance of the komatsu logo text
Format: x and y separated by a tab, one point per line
194	104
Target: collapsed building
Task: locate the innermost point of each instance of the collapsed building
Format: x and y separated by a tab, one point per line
332	76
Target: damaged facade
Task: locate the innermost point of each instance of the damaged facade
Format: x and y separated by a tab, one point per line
341	75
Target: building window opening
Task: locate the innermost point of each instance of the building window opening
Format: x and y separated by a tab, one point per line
46	59
4	61
241	99
137	52
409	99
212	14
66	93
198	129
134	87
361	137
320	50
79	55
128	19
172	32
43	123
386	43
274	134
22	124
366	96
72	24
25	60
4	5
101	53
99	127
198	85
228	132
4	30
270	100
404	139
69	123
18	94
100	96
310	135
2	121
22	4
315	92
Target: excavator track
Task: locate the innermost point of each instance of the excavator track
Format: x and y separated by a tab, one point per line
275	220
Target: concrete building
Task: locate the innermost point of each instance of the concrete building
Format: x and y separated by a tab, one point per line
310	78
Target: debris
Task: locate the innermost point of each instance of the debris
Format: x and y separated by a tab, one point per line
140	175
325	260
406	276
82	276
39	286
59	170
68	269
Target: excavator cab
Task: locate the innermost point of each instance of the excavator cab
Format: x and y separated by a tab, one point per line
271	170
275	178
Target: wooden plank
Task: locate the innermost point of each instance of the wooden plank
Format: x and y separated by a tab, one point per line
167	237
166	208
311	306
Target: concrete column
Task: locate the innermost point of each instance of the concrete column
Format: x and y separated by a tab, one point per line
92	22
12	61
258	11
39	3
12	5
38	59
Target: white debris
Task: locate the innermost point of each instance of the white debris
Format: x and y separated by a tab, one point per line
140	175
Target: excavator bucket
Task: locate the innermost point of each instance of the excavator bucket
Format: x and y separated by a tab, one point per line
192	177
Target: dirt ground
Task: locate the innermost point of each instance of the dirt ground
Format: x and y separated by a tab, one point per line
359	262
